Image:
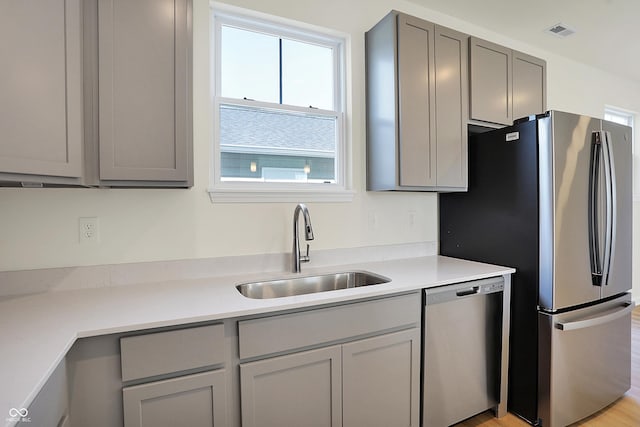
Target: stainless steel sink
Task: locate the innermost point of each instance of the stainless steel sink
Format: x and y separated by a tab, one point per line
309	284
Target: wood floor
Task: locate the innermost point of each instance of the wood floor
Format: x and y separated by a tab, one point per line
625	412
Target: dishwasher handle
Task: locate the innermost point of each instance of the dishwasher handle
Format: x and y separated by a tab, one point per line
471	291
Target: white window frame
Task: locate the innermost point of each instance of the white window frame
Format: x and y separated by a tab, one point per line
256	191
630	118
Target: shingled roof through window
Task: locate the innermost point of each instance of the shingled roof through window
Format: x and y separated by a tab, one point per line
267	131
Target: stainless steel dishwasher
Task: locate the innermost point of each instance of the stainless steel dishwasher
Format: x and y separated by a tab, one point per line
462	347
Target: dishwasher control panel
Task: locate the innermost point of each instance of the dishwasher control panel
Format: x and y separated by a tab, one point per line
494	287
460	290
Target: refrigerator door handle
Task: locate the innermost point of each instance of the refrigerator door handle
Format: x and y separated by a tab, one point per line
625	309
594	231
611	207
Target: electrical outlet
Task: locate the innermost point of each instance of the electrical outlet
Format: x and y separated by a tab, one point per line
88	231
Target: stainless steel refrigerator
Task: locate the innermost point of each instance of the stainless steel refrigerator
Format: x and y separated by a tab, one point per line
551	196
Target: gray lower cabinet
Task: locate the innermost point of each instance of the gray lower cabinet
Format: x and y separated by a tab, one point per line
381	380
371	382
505	84
416	106
50	408
350	364
197	400
94	382
363	368
168	377
138	92
300	389
41	91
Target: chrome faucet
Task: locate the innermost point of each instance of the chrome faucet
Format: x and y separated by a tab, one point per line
297	258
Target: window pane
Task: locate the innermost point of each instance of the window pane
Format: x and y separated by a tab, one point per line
307	75
618	117
249	65
615	118
266	145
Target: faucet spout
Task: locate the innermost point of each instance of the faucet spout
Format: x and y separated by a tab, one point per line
298	258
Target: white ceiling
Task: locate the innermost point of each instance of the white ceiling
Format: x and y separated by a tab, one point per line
607	31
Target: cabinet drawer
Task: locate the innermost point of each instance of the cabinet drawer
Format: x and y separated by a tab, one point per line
172	351
288	332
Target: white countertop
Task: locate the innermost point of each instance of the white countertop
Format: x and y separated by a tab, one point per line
38	330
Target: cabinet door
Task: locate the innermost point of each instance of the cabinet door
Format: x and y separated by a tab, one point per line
381	380
144	89
529	85
416	76
451	64
491	82
41	88
300	389
195	400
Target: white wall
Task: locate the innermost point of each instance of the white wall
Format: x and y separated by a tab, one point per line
38	227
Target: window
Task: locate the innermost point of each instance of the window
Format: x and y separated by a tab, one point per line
627	118
278	111
618	116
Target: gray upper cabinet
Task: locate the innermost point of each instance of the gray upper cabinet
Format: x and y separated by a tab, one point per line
41	91
452	107
491	81
529	85
423	68
144	92
96	92
505	84
416	116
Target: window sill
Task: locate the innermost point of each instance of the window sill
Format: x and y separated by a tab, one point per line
219	195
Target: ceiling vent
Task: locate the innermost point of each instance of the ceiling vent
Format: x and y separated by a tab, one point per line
560	30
